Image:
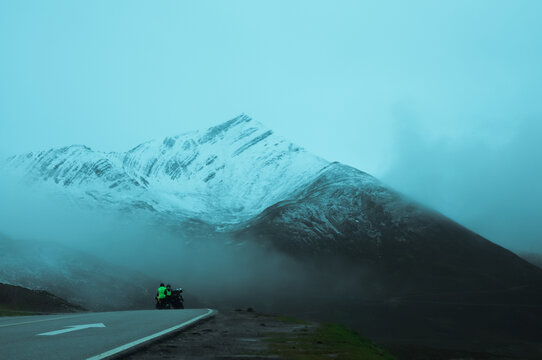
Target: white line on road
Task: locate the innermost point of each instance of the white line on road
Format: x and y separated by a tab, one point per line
42	320
72	328
147	338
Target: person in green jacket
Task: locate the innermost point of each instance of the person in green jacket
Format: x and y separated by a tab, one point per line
161	297
168	296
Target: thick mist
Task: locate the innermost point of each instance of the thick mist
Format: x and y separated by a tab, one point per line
488	182
138	251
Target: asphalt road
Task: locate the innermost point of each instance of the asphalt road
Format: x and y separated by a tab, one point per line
89	335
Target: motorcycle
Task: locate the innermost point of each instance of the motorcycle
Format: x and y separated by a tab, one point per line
174	301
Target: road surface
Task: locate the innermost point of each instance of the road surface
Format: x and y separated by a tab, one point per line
88	335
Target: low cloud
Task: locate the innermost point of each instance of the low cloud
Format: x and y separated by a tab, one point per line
215	269
488	183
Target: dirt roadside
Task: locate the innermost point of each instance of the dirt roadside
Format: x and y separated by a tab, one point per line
236	334
245	334
242	334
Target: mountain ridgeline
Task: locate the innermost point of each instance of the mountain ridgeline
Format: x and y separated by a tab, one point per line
221	176
240	183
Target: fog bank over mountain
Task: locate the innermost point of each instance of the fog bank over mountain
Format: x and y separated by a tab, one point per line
59	244
487	182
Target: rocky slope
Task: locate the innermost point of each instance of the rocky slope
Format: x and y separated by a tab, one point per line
347	214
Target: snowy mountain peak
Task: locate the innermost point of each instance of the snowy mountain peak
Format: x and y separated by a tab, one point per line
225	174
242	126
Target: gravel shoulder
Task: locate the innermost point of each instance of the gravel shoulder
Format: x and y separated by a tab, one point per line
227	335
242	334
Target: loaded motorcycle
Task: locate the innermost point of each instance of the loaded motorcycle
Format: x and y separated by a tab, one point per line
174	301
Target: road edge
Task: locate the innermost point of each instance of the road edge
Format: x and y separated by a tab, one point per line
135	345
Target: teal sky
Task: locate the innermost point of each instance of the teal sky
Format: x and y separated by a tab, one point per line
427	95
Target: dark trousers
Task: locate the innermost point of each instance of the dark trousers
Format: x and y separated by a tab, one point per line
160	303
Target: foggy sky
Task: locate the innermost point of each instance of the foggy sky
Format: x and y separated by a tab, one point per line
440	100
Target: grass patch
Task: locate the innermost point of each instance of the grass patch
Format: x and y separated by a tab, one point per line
329	341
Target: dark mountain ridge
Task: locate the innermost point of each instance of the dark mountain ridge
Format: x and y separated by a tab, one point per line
347	214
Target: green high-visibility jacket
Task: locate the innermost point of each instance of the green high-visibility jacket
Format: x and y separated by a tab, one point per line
168	292
161	292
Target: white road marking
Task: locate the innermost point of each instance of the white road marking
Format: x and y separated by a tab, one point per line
42	320
72	328
148	338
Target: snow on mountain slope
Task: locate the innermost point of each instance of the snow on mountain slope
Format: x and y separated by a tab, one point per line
224	175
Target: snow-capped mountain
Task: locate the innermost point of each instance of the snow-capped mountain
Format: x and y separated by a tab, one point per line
242	179
224	175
